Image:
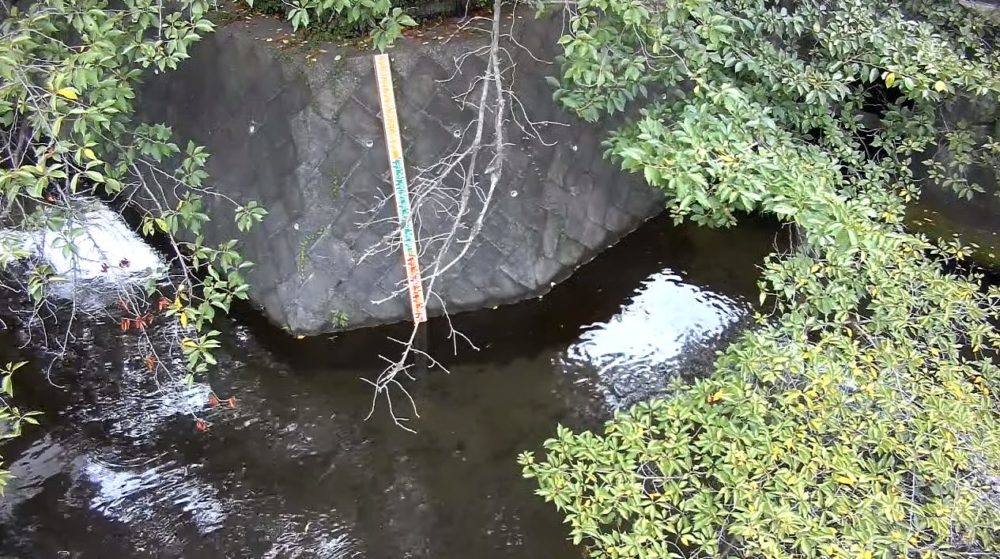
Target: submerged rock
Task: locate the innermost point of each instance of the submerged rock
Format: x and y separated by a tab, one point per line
107	255
298	129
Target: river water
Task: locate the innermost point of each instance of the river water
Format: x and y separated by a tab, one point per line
117	469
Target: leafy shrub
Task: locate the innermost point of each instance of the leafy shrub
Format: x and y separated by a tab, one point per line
68	77
343	17
860	419
11	418
270	7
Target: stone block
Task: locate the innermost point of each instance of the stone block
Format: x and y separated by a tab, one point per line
306	140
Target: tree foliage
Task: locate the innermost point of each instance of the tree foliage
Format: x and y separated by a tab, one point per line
11	418
860	418
379	18
68	132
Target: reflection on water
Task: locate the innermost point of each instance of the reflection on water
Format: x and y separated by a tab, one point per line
133	494
118	470
666	325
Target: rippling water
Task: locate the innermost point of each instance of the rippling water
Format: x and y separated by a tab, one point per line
118	470
667	328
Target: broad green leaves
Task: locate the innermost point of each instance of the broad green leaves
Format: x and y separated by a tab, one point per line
390	28
68	78
247	216
11	418
377	17
861	419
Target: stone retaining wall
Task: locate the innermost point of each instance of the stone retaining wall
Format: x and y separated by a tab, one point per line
298	129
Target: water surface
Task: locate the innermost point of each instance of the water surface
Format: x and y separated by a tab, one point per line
117	468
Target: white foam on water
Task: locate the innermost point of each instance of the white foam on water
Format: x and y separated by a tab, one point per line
107	253
105	240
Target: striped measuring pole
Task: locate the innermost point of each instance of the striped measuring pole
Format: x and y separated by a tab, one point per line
394	147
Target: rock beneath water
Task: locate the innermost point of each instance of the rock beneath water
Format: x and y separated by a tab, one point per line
108	257
298	129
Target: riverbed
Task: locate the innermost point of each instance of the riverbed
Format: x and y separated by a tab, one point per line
117	468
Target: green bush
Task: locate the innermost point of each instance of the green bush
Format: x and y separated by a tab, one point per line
343	18
269	7
860	419
68	78
11	418
354	18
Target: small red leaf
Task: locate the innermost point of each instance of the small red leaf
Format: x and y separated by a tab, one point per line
213	400
232	403
200	426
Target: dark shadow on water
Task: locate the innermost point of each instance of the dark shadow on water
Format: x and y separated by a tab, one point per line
722	260
294	471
